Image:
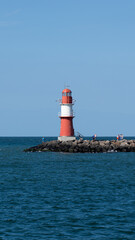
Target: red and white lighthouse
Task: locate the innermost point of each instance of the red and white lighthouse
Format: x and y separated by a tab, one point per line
66	116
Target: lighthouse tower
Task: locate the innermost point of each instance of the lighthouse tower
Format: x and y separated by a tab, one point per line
66	116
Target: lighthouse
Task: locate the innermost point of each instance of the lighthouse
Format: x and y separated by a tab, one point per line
66	116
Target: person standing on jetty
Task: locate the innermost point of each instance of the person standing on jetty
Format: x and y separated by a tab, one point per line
94	137
120	137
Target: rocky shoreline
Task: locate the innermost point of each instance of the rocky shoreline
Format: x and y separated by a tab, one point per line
85	146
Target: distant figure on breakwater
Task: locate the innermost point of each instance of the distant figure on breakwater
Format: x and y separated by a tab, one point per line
94	137
120	137
43	139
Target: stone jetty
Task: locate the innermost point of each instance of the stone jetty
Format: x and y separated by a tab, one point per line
85	146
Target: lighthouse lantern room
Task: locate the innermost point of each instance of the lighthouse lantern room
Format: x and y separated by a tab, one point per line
66	116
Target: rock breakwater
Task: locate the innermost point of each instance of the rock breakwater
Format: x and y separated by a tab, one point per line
85	146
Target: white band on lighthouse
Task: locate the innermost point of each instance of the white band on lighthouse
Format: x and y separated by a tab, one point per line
66	110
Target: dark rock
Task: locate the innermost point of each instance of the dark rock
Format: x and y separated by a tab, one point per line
85	146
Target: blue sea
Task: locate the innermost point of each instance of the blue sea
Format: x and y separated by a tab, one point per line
48	195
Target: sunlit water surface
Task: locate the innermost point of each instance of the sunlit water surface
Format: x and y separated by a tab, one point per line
65	196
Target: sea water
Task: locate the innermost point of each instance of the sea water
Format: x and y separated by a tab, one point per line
48	195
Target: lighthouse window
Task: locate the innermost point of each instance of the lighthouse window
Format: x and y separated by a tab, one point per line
68	94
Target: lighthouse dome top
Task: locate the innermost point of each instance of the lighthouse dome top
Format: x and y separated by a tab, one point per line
66	90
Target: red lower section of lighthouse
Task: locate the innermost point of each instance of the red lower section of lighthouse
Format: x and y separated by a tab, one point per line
66	126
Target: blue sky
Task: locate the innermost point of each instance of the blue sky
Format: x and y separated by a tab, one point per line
86	44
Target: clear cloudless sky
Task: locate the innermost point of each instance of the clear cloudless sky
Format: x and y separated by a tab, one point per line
88	45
